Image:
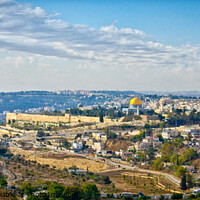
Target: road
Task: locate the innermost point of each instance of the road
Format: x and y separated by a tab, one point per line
109	162
169	176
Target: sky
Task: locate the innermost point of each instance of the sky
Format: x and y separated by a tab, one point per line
100	45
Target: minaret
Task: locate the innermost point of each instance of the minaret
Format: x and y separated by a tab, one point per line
138	110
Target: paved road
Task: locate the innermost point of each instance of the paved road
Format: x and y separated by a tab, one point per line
169	176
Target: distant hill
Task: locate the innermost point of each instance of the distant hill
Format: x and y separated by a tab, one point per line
177	93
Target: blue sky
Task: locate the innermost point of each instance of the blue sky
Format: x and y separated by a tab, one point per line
100	44
173	22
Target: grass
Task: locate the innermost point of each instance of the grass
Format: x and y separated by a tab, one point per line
129	181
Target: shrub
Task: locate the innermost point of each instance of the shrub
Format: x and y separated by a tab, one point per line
177	196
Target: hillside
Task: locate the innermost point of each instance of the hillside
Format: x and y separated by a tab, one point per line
115	145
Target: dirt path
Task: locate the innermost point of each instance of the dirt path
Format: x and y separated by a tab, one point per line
10	176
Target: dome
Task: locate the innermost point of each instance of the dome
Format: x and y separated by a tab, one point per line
135	102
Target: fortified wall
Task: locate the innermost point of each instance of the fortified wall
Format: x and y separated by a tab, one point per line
56	119
51	119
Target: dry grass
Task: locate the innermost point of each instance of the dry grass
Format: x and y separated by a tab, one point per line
130	181
61	161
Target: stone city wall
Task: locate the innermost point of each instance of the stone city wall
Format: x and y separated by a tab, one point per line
36	118
56	119
84	119
46	118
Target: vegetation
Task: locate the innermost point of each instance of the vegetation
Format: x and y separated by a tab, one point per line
54	113
112	136
170	148
178	118
40	133
58	191
2	151
96	112
139	136
177	196
3	182
65	144
183	185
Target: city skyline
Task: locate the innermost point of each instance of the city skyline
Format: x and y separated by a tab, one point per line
98	45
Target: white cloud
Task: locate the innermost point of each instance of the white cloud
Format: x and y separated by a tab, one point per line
32	30
32	41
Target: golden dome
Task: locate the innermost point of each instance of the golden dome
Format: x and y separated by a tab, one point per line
136	102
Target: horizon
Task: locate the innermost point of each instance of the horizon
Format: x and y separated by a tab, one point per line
136	91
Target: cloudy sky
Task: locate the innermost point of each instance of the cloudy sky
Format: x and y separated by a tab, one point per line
99	44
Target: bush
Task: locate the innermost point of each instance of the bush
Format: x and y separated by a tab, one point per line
198	195
161	197
103	180
191	196
177	196
40	134
3	183
2	151
112	135
90	192
55	189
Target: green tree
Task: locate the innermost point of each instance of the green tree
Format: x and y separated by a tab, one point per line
55	190
40	134
178	142
151	153
161	197
191	196
198	195
90	192
2	150
183	185
158	164
3	183
112	135
190	154
142	156
161	139
28	188
106	180
139	136
72	192
41	196
167	151
177	196
66	144
101	118
175	159
106	130
189	181
180	171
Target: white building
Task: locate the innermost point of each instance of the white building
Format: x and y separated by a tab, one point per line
170	133
98	146
77	145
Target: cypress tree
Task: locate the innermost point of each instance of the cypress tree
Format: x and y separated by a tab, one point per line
183	185
189	181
